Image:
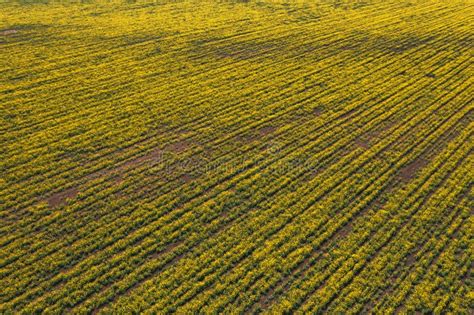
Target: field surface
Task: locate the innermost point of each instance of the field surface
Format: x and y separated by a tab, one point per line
236	156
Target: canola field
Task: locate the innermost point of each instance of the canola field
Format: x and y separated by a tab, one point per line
236	156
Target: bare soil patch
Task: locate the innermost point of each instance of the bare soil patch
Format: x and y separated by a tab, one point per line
361	143
408	172
262	132
168	249
60	198
246	139
345	230
186	178
267	130
317	111
178	147
411	259
152	156
118	180
8	32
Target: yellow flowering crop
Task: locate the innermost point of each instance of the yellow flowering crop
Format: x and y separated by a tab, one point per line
261	156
